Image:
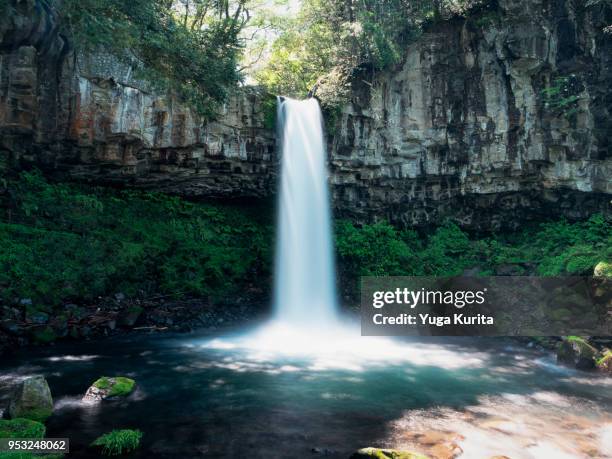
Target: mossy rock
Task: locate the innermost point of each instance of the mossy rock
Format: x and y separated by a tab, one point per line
31	400
604	363
576	351
21	428
377	453
603	269
130	316
110	387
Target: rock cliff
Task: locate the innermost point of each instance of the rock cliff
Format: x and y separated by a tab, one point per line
87	118
491	120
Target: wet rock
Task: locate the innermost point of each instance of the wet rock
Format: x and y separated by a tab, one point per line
43	334
377	453
108	388
37	317
130	316
119	296
12	327
31	399
577	352
323	451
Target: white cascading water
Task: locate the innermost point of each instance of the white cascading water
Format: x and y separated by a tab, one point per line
306	320
305	275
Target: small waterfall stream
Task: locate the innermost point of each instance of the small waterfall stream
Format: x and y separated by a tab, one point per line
305	274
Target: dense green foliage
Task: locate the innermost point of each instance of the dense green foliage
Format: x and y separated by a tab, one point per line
191	48
327	41
119	442
61	242
547	249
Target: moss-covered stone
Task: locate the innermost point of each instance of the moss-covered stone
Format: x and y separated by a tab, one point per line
576	351
110	387
604	363
377	453
31	400
21	428
603	269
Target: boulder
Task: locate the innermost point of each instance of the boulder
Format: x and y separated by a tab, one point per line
377	453
109	388
577	352
130	316
31	400
605	362
603	269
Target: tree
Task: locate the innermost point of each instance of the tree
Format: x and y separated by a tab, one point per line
188	47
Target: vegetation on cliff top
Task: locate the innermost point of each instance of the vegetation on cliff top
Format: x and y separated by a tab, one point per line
327	41
191	48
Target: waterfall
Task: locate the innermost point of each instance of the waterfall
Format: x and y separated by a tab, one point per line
305	289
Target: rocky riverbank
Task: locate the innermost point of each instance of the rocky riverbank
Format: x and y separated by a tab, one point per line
25	324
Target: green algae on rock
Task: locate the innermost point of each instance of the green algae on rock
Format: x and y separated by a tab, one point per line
31	400
109	387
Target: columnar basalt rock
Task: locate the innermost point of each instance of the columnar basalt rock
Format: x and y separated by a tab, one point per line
465	127
462	128
87	118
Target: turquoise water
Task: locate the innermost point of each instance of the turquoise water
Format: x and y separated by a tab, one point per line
199	397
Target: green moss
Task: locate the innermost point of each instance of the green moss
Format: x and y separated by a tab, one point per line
119	385
21	428
605	360
269	106
119	442
603	269
37	414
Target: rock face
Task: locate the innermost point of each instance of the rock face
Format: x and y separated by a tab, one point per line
491	120
87	118
466	126
31	400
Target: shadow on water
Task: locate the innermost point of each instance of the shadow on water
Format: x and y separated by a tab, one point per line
197	401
